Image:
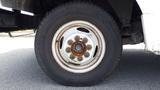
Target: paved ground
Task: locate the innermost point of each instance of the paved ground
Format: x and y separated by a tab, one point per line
19	70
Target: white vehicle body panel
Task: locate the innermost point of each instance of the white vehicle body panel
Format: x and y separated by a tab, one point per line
151	24
150	18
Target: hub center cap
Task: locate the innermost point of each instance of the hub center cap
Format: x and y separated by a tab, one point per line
78	48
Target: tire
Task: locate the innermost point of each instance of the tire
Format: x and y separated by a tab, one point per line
76	74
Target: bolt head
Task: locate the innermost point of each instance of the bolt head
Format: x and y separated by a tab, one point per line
77	38
89	47
85	40
68	49
70	42
72	57
87	54
80	58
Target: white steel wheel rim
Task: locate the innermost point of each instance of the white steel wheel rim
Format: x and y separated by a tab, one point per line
78	46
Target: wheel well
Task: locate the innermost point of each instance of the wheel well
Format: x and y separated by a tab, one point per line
126	13
121	10
51	4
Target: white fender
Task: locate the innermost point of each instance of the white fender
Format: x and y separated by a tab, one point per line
151	24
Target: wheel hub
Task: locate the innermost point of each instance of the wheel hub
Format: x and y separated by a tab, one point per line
78	48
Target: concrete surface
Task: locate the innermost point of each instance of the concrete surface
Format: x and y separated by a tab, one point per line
19	70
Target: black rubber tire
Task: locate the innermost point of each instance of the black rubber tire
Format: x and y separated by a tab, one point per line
70	12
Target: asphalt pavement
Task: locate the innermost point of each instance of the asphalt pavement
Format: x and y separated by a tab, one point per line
19	70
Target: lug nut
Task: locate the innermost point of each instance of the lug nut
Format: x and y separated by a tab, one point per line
80	58
72	56
89	47
85	40
70	42
68	50
77	38
87	54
